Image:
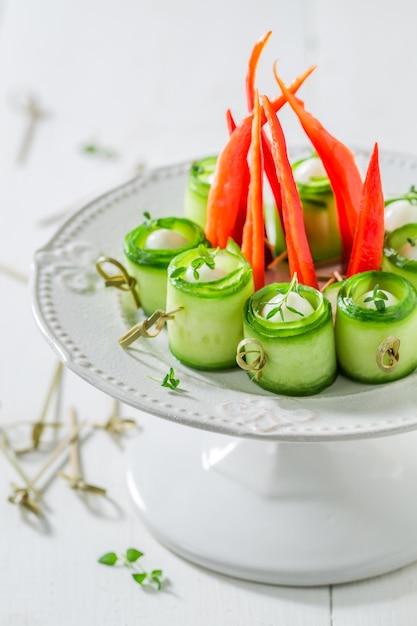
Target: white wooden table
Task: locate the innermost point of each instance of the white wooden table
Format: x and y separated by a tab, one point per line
152	81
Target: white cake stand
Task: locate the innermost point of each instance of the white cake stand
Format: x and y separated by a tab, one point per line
277	512
287	491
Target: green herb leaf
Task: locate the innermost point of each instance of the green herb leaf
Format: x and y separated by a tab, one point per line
411	241
140	577
133	555
95	149
292	288
155	577
179	271
378	297
110	558
148	220
170	381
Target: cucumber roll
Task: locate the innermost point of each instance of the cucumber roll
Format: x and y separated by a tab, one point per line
211	287
197	190
376	327
148	250
319	208
401	210
288	330
400	252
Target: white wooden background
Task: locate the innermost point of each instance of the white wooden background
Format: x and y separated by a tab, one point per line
152	80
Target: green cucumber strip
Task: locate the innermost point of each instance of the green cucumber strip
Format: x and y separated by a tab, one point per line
148	266
273	228
392	260
206	332
359	331
300	355
197	190
151	285
331	292
135	241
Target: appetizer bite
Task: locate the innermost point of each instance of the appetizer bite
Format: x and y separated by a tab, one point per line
289	344
149	248
210	287
376	327
400	252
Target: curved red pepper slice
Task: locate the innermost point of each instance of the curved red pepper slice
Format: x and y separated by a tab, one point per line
252	67
339	163
230	177
369	236
254	231
299	254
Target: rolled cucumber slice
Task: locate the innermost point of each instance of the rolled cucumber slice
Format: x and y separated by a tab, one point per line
197	190
300	355
149	265
400	252
401	210
204	334
377	344
319	208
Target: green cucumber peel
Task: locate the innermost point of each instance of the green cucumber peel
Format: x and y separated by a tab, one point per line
376	346
394	241
206	333
200	175
318	184
349	299
301	326
239	273
300	356
135	240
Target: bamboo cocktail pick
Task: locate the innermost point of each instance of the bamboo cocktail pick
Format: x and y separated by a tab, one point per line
29	495
39	426
76	479
115	424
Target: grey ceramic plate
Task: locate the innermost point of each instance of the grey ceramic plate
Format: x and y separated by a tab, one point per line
82	321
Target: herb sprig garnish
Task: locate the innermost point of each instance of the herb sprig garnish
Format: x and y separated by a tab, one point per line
148	220
411	241
205	257
170	381
95	149
378	297
293	288
129	560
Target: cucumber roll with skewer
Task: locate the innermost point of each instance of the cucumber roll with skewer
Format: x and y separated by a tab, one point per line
400	252
148	250
288	345
376	327
210	287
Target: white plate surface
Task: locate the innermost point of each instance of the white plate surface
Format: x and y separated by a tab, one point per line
82	320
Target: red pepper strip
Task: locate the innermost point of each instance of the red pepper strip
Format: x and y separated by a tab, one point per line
226	188
369	236
271	173
252	67
229	179
299	254
241	214
231	124
253	243
339	163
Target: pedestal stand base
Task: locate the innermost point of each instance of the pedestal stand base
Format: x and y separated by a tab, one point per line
276	512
